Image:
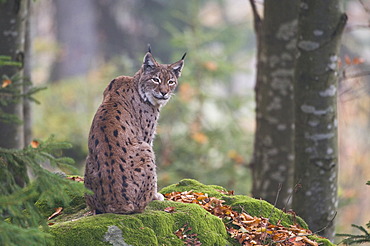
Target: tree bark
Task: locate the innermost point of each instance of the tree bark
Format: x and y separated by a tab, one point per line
27	109
76	32
316	154
273	156
12	31
14	15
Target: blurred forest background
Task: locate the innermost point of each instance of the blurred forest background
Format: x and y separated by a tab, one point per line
206	132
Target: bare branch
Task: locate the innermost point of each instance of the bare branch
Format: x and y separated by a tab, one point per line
346	76
296	188
367	9
256	16
351	28
276	199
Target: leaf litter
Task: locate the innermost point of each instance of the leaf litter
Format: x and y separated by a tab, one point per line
246	229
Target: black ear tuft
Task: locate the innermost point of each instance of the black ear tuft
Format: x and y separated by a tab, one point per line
149	49
183	57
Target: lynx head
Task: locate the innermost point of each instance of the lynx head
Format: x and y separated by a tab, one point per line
158	81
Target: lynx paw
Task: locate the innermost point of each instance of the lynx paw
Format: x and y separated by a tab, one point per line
158	197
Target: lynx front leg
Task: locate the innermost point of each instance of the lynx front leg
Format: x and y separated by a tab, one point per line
157	196
142	178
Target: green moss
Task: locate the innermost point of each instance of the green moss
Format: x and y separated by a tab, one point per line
153	227
191	184
321	241
76	203
157	227
264	209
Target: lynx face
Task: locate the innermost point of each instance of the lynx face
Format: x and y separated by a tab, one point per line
158	81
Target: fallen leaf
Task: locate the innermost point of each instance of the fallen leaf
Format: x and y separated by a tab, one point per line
57	212
309	241
358	60
35	144
76	178
229	192
169	209
347	59
6	82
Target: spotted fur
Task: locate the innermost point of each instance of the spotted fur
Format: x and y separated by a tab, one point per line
120	168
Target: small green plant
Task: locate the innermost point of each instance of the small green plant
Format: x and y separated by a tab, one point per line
357	239
11	90
19	217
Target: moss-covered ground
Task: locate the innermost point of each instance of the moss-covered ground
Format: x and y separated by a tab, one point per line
157	227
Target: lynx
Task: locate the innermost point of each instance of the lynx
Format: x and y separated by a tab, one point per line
120	167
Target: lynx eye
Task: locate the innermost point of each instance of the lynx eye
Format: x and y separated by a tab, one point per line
171	82
156	80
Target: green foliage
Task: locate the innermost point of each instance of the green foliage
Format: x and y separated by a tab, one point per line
356	239
202	132
18	213
205	132
7	61
11	90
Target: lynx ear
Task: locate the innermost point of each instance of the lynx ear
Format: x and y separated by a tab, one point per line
177	66
149	63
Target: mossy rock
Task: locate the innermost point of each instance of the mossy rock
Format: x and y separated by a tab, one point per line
153	227
157	227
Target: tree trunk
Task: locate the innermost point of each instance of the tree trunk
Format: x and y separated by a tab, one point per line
273	157
14	15
316	154
27	109
76	32
12	31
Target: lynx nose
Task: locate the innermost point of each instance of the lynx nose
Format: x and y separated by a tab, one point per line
163	93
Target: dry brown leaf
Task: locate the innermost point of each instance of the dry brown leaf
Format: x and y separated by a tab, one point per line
169	209
35	144
358	60
57	212
347	59
76	178
6	83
